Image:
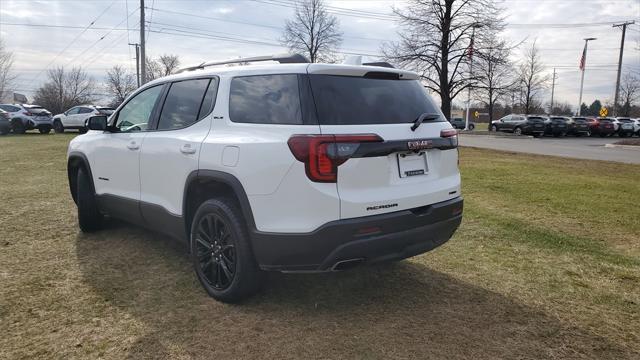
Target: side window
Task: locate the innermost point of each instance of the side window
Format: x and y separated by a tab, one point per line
209	99
73	111
265	99
506	118
85	110
182	105
135	115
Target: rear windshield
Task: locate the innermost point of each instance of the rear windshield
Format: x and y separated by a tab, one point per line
347	100
106	111
535	118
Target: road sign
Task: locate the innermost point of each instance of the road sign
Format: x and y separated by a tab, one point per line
476	114
604	112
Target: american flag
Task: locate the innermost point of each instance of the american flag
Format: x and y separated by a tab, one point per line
582	59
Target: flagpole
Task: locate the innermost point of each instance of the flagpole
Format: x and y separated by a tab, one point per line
583	65
473	33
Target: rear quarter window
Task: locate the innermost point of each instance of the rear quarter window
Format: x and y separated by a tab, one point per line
265	99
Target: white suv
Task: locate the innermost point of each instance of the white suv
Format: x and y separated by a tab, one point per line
291	167
77	117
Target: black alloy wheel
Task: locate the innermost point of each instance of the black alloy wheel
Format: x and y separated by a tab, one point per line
215	251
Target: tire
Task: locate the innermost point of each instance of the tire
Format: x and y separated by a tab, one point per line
537	135
588	133
603	135
493	128
471	127
82	130
517	131
44	130
221	252
18	127
89	216
58	127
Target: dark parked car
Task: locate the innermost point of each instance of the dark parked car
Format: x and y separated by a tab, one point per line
627	126
607	126
580	126
5	122
520	124
459	123
557	125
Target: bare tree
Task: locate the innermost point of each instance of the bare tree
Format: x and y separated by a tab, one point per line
164	65
65	89
313	32
493	71
533	79
436	41
120	84
629	92
6	63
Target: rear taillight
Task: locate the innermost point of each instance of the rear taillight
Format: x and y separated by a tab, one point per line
322	154
447	133
28	113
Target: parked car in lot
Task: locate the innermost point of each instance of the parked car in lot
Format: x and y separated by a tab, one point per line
636	126
76	117
459	123
627	126
28	117
5	122
361	168
607	126
520	124
557	125
580	126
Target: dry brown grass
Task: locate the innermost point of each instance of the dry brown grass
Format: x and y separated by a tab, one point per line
528	275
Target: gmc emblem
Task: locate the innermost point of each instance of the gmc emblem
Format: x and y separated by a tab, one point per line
419	144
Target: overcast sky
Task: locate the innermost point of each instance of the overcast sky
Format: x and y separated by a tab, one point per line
248	27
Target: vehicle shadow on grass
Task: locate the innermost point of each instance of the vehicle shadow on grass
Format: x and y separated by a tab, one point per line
401	310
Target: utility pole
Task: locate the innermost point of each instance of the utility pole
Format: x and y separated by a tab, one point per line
553	88
624	30
143	65
583	65
137	62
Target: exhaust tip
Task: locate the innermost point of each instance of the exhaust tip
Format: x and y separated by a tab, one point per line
346	264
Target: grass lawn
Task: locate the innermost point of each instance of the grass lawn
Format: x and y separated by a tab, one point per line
545	265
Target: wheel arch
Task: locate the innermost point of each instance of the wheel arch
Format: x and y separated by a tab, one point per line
75	162
202	185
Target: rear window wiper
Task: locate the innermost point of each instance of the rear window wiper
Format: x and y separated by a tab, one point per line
423	117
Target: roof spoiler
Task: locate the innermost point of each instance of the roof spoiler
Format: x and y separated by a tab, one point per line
282	59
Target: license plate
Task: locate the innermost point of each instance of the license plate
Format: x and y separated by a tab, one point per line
413	164
627	126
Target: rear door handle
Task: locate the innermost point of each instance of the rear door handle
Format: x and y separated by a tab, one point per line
133	146
187	149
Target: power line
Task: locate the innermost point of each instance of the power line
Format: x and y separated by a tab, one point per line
73	41
45	26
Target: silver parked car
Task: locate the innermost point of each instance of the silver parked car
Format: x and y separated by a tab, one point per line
27	117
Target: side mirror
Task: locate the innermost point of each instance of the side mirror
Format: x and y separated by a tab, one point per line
97	123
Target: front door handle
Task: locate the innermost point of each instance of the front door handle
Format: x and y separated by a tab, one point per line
133	146
187	149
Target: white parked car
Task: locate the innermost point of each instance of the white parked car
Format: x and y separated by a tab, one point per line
76	117
292	167
627	126
28	117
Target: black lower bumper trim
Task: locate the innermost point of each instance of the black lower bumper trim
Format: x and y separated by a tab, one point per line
376	238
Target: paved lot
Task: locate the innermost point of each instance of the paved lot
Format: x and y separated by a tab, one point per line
581	148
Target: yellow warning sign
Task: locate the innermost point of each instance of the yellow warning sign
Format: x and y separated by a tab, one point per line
604	112
476	114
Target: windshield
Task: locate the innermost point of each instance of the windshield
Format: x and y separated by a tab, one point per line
347	100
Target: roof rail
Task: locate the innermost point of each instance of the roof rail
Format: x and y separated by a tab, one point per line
282	59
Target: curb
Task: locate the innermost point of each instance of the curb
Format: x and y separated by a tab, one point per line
628	147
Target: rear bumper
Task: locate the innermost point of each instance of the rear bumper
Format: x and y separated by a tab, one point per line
371	239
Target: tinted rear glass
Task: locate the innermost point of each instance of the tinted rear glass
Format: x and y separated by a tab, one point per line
265	99
183	103
346	100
